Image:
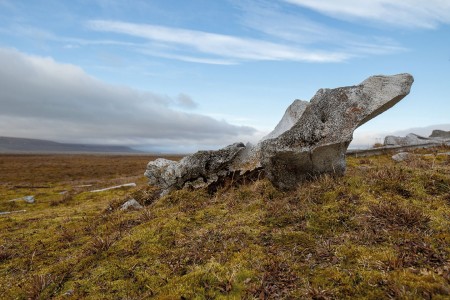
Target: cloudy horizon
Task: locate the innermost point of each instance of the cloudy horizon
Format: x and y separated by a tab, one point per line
49	100
180	78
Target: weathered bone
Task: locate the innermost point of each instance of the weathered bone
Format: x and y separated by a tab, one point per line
311	139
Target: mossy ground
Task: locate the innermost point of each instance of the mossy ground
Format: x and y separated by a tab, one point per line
380	232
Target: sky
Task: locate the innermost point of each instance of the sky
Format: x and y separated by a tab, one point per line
181	76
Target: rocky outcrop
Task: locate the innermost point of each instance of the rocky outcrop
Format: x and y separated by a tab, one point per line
290	117
441	134
317	143
194	171
437	137
311	139
409	140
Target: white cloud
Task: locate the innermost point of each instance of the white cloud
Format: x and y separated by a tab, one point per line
291	26
283	35
45	35
186	58
270	18
41	98
217	45
407	13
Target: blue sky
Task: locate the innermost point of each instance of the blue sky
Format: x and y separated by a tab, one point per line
199	74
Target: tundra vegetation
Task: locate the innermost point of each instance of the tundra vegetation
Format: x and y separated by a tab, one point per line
381	231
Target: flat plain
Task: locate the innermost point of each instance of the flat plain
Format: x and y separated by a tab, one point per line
380	232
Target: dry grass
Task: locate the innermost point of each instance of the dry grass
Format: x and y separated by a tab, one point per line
380	232
389	214
40	171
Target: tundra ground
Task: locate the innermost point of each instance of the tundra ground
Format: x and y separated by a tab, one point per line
380	232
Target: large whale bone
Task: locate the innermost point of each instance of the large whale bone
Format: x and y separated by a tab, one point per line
317	143
311	139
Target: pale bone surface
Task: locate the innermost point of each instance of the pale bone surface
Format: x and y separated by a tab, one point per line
311	139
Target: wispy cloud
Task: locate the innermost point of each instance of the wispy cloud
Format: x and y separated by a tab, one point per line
46	35
412	13
270	18
283	36
274	32
275	20
221	46
42	98
183	57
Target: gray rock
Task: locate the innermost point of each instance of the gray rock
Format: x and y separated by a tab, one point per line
391	140
195	171
437	137
162	172
29	199
402	156
131	204
440	134
310	139
290	118
317	143
409	140
250	158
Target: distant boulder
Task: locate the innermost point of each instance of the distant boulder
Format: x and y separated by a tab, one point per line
440	134
437	137
409	140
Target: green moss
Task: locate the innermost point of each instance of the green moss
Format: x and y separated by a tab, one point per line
381	231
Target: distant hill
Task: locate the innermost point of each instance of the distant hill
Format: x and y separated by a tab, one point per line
22	145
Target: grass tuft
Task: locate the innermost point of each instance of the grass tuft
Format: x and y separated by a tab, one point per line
392	215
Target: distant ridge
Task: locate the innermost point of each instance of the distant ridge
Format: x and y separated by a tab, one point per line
23	145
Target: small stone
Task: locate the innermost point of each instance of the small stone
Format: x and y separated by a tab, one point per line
29	199
131	204
402	156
